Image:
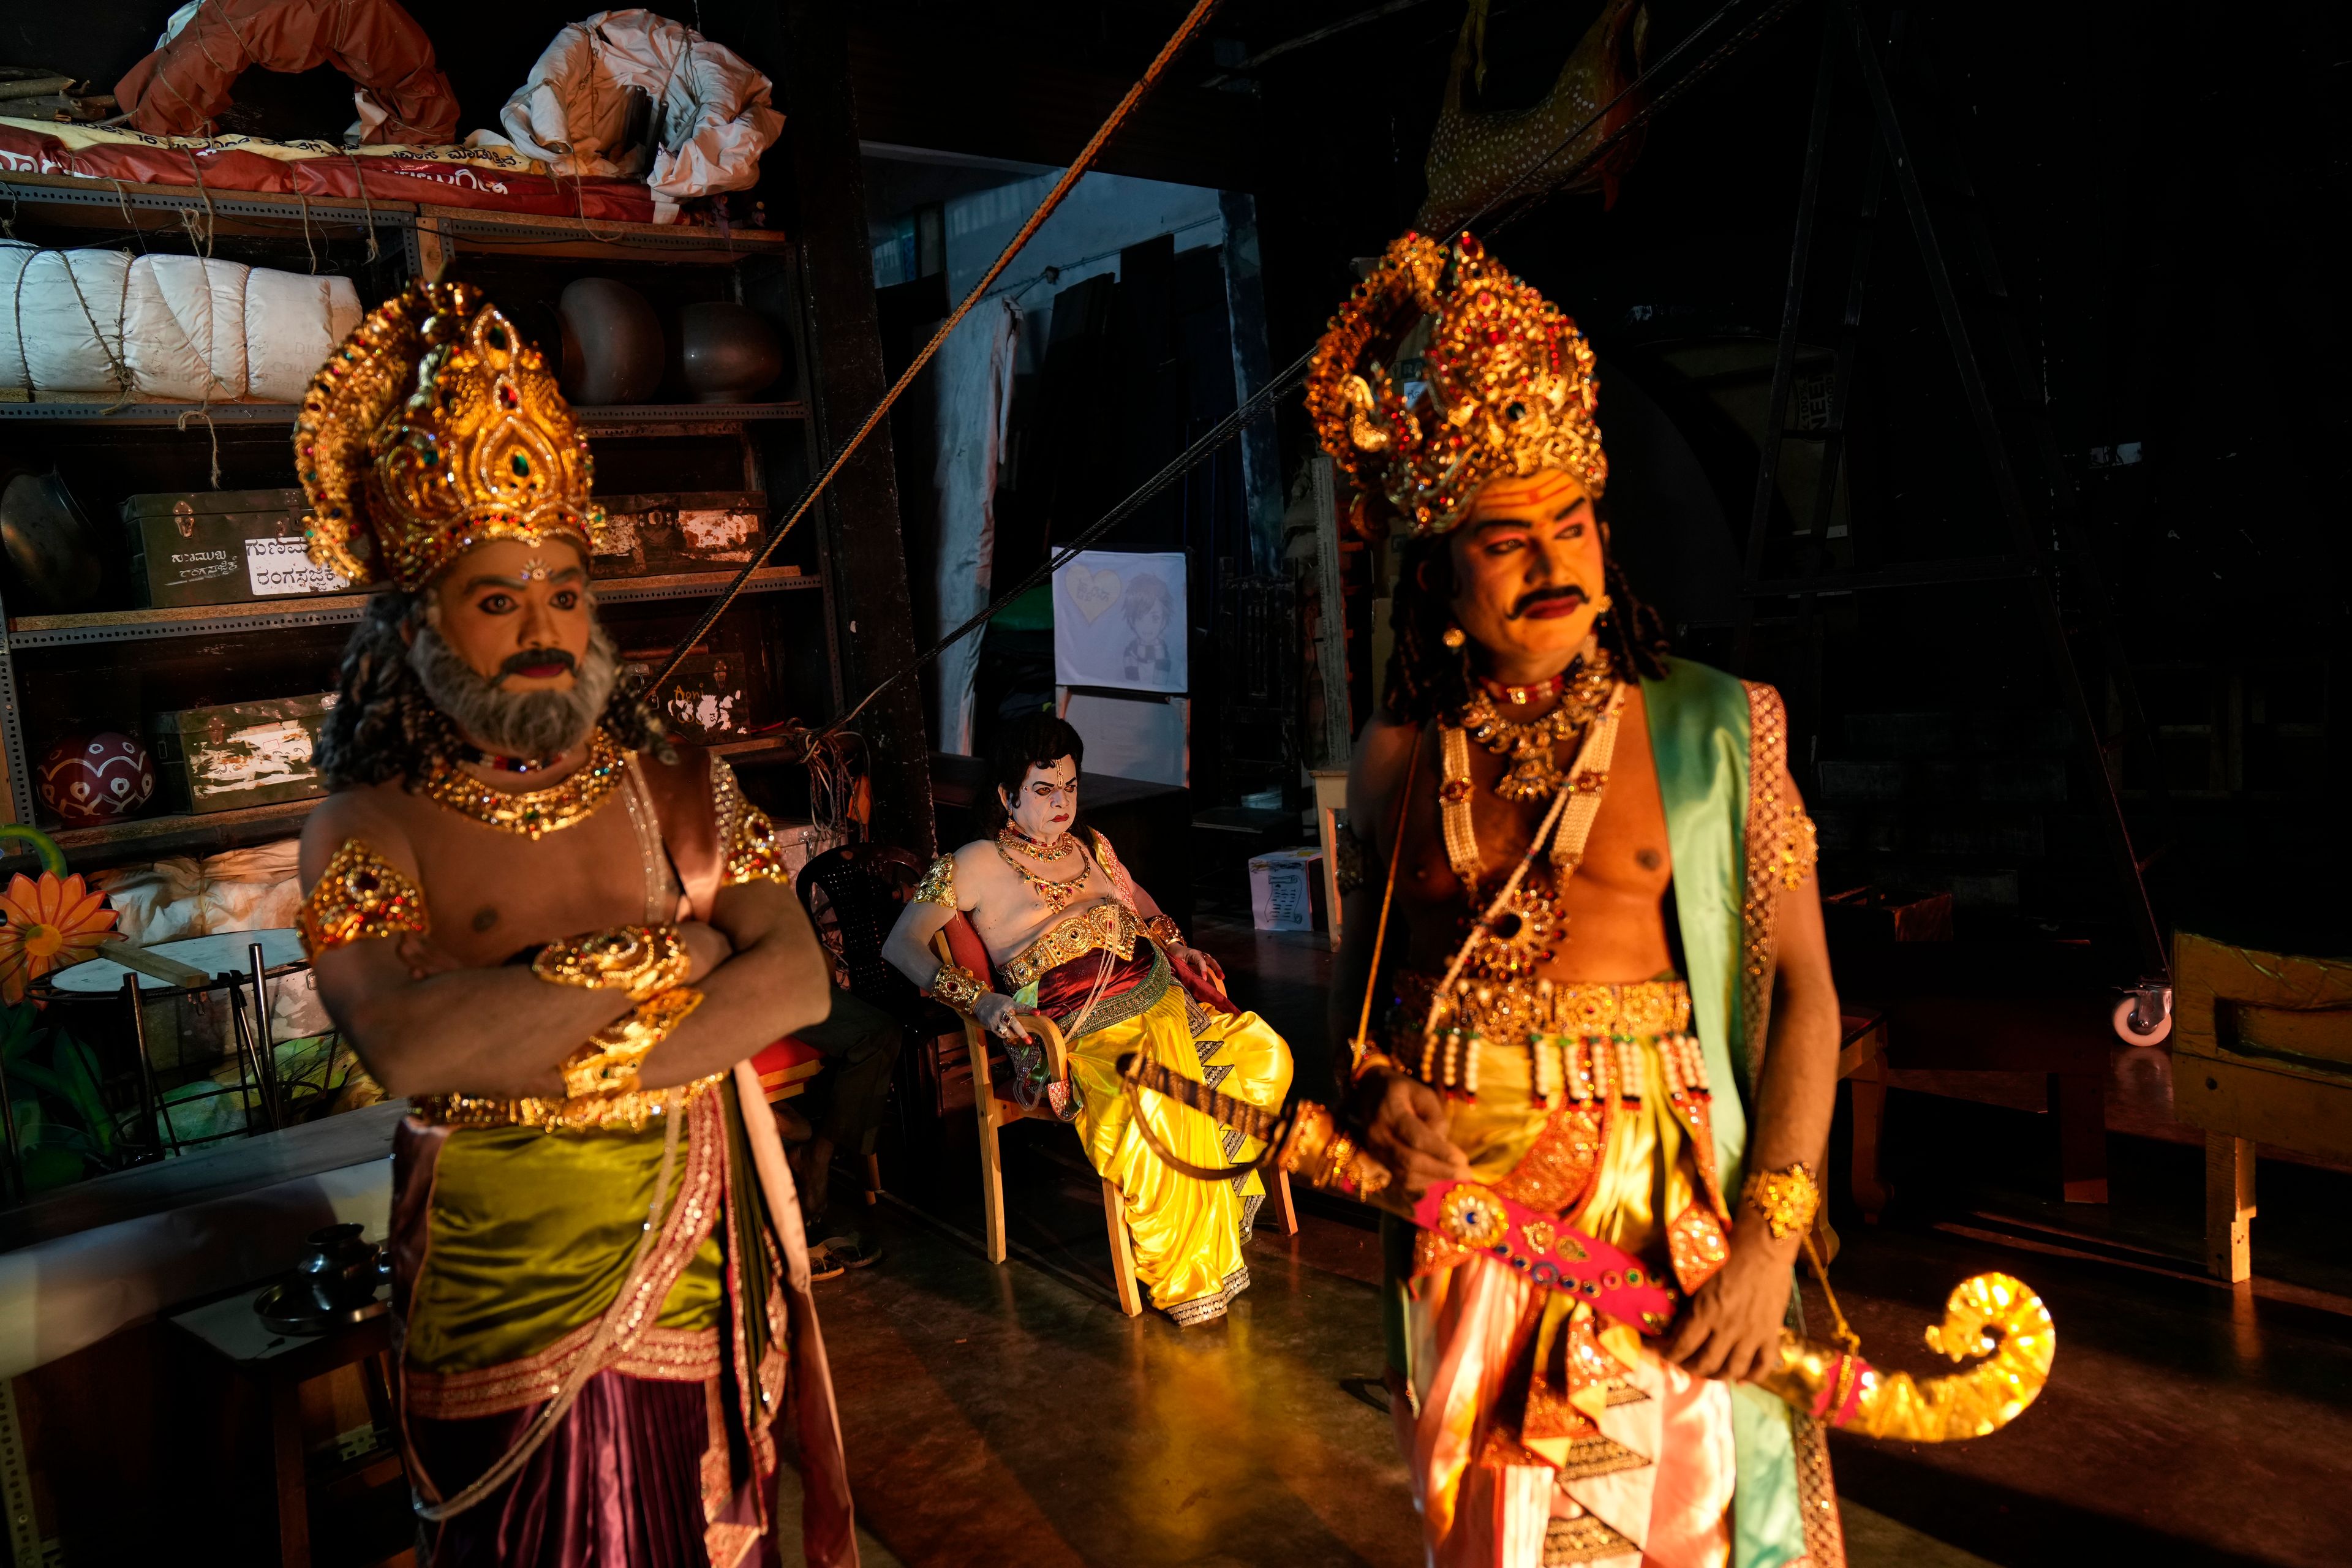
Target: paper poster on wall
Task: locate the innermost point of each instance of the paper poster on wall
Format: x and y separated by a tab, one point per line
1133	737
1119	621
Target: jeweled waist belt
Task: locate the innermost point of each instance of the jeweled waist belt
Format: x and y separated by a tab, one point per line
623	1111
1583	1039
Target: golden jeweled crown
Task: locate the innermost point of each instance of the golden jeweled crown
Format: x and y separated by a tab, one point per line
1507	386
433	428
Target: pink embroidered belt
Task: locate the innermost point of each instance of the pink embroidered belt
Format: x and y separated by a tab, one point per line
1554	1255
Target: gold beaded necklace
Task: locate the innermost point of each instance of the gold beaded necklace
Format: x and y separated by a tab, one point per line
1058	895
1534	772
533	813
1011	837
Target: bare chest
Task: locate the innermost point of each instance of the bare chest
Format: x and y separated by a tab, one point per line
1010	911
491	893
1612	904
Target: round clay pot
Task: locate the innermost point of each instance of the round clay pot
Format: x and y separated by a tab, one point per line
728	351
88	780
612	343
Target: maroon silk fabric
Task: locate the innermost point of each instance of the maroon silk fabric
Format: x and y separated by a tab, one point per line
618	1484
1064	989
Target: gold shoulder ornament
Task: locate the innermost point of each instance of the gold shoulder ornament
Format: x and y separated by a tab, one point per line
938	885
360	896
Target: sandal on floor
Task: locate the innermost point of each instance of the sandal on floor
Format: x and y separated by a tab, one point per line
846	1251
822	1264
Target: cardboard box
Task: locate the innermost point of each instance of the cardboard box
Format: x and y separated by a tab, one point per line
222	547
699	530
1286	890
245	754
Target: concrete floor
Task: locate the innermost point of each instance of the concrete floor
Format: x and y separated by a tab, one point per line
1011	1416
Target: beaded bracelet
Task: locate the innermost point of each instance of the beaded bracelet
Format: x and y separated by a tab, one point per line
958	989
1786	1198
642	960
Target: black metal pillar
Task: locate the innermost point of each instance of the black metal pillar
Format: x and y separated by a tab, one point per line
872	607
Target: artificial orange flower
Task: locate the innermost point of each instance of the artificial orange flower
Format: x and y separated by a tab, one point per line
49	924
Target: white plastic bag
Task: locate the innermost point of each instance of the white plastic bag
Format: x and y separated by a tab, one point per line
712	113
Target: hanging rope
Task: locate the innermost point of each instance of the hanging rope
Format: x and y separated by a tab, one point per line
1191	25
1264	399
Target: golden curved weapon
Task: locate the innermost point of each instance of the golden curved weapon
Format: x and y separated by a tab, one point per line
1838	1386
1992	1315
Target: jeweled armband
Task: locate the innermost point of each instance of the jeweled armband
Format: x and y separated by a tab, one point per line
938	885
1786	1198
359	896
608	1063
757	851
1163	930
639	960
1799	850
958	987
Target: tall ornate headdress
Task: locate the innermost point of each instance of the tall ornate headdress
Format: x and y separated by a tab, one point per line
1506	388
433	428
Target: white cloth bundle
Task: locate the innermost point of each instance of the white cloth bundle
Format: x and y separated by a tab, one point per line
712	117
258	889
170	329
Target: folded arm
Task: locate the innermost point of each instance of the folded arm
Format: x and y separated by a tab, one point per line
779	979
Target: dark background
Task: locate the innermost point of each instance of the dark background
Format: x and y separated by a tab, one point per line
2154	183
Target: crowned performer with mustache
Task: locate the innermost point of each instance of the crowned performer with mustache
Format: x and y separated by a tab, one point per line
558	936
1603	1012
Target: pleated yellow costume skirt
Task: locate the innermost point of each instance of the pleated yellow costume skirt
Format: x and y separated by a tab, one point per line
1188	1234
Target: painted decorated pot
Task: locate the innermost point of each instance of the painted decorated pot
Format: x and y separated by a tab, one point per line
89	780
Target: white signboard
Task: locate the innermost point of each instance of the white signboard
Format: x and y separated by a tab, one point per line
282	566
1120	621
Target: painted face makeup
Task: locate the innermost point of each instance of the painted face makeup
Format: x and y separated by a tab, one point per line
1529	568
1046	802
520	615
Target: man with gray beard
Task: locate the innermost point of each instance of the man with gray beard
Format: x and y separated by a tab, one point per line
560	938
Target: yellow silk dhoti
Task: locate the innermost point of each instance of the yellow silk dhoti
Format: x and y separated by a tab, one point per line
1538	1433
1188	1234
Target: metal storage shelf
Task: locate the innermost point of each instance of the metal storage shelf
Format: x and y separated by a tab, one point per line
338	609
615	419
777	437
231	214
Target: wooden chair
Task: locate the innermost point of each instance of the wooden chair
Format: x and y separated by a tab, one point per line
993	1103
2262	1051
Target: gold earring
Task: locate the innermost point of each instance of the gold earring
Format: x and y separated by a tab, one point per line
1454	637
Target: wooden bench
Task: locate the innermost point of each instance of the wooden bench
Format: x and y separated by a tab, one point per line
2262	1052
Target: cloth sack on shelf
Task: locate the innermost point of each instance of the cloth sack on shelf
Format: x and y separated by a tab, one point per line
397	87
712	116
174	329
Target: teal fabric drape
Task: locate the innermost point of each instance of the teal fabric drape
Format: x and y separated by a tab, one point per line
1699	737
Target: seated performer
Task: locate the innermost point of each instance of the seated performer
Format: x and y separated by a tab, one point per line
1076	940
1609	998
558	937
